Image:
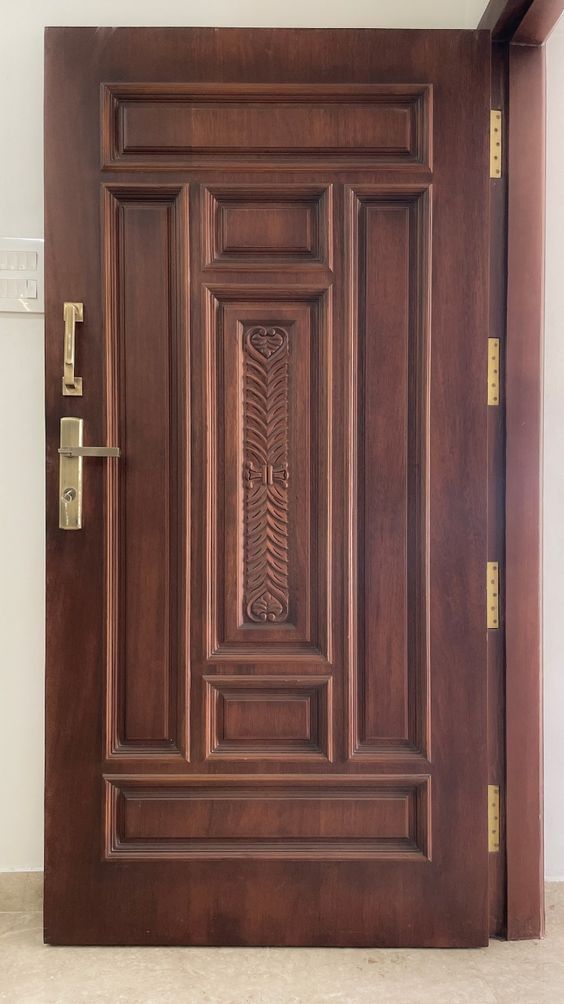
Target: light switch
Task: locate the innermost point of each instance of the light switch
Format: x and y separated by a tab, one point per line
21	275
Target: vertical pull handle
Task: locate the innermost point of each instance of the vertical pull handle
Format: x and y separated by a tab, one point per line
72	385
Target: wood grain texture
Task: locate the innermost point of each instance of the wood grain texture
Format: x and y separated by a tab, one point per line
525	317
145	242
389	237
267	226
284	848
267	818
269	716
190	124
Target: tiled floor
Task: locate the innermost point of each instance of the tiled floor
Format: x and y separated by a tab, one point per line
518	973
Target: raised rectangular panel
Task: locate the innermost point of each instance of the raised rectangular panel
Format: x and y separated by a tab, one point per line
388	250
267	226
268	817
269	457
168	125
269	717
145	245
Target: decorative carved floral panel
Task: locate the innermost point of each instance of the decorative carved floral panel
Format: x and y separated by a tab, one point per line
265	459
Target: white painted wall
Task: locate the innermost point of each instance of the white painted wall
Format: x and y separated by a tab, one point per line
554	464
21	377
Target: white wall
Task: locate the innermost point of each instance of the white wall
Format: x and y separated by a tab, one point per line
554	464
21	376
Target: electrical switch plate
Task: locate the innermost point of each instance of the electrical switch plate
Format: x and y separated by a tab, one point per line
21	275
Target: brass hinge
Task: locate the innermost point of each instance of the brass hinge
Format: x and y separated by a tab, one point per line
493	371
493	818
492	594
495	143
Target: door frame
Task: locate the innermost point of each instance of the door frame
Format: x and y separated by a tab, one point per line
519	30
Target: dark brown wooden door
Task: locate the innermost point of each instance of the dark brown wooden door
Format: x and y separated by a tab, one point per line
266	652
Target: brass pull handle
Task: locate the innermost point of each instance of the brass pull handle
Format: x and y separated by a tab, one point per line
72	385
71	456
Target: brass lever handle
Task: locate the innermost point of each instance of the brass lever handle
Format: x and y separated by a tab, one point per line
89	451
71	456
72	385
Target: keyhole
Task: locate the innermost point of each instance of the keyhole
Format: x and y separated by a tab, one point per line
69	494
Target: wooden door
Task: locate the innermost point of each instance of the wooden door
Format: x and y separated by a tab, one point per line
266	650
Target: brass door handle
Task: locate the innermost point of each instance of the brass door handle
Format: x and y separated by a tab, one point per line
72	385
89	451
71	456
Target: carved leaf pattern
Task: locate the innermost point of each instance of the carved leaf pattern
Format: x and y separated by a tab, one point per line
265	455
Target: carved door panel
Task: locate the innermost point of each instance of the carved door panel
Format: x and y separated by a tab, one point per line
266	647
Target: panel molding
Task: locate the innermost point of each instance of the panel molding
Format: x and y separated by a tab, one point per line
174	742
313	202
247	641
169	126
313	692
399	804
414	199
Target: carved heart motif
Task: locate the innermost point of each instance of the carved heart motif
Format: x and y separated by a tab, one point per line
267	341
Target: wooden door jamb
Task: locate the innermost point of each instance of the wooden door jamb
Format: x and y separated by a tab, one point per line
524	25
